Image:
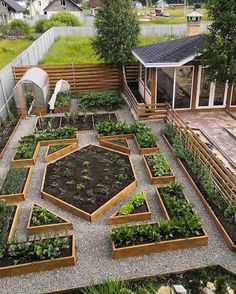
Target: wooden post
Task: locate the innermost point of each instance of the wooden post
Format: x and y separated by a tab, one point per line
195	86
154	84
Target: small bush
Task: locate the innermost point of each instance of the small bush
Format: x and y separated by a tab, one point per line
197	5
66	18
15	29
43	25
108	100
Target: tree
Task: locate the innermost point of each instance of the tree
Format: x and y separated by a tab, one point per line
220	46
117	31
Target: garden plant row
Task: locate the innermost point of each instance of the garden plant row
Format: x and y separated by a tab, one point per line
222	212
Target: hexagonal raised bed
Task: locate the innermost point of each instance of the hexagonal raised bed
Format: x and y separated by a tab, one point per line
89	181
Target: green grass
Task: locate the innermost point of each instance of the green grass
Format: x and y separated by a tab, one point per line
176	16
9	49
79	49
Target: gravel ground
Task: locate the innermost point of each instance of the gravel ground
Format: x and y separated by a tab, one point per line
94	259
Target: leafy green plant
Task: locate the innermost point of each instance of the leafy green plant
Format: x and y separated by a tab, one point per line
65	132
108	100
41	216
230	213
38	249
26	147
158	164
55	148
6	211
14	181
146	140
63	99
66	18
135	201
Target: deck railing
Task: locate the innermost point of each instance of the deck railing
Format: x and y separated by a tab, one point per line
141	110
224	177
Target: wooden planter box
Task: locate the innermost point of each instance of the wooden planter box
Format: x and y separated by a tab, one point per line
5	147
112	137
61	109
62	152
38	266
28	161
14	224
31	161
149	248
145	150
112	145
157	180
101	210
135	217
222	230
31	229
41	110
20	196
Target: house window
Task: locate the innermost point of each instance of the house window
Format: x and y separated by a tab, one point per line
183	86
205	88
142	72
63	2
39	3
148	79
165	83
219	94
3	4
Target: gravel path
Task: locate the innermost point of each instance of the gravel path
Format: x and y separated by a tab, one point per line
94	260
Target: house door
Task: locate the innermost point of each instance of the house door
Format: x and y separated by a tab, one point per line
209	94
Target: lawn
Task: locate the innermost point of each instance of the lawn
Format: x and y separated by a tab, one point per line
176	16
79	49
9	49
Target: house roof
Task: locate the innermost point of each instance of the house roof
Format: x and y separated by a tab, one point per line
170	53
14	5
71	1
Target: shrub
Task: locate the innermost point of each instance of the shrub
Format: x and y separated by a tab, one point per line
20	24
42	25
197	5
15	29
108	100
66	18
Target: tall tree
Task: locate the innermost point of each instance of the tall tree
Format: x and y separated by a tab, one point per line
220	47
117	31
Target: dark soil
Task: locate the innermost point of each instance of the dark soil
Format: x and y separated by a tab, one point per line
140	209
5	134
80	122
89	177
193	280
7	260
229	227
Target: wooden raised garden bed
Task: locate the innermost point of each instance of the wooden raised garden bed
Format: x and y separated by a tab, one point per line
95	181
21	195
145	150
139	214
60	153
161	236
149	248
116	145
9	137
221	228
31	161
28	161
64	109
14	223
68	259
45	228
157	180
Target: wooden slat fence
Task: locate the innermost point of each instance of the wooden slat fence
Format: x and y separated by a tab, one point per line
82	78
224	178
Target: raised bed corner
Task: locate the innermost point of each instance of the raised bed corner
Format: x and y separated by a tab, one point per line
60	153
31	229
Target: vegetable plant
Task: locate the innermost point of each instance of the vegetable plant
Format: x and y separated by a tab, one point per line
41	216
158	164
135	201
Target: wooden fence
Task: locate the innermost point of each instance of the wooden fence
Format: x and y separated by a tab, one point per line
224	178
82	78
